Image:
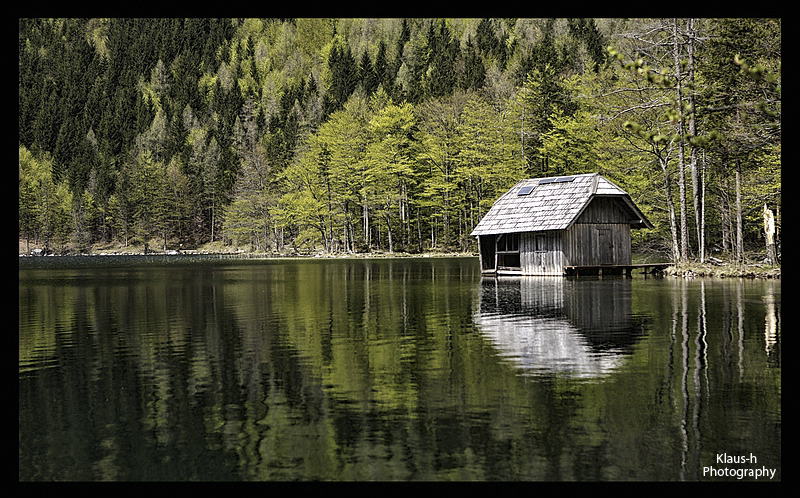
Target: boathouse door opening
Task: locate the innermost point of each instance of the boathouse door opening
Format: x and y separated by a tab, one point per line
487	249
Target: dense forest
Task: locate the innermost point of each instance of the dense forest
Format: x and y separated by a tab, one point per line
369	135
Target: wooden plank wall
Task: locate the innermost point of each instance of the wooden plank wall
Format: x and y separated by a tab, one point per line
541	253
585	244
600	236
603	210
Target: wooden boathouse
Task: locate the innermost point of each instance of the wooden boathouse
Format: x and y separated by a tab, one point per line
562	225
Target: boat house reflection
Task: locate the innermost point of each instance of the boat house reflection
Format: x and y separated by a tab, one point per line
575	327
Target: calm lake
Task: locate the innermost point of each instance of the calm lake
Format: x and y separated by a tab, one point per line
194	368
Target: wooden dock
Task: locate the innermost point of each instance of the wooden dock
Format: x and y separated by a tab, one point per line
651	268
586	270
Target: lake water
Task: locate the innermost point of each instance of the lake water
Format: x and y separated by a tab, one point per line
192	368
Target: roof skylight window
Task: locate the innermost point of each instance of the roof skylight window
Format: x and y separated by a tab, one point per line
559	179
525	190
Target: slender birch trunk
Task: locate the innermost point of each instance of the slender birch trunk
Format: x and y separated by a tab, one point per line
739	235
676	255
697	187
769	235
702	229
684	247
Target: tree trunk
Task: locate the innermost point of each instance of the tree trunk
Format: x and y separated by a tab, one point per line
676	255
699	215
681	161
725	219
365	217
212	223
739	236
329	215
389	233
419	231
769	235
702	229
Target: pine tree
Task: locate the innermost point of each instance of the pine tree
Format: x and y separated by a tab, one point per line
485	37
149	199
442	55
367	74
344	77
383	70
474	75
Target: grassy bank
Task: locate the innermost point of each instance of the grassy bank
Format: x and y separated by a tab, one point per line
724	270
221	249
714	267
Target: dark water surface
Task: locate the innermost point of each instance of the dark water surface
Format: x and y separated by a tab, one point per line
180	368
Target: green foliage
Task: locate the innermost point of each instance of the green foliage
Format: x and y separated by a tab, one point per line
150	199
44	204
360	134
571	145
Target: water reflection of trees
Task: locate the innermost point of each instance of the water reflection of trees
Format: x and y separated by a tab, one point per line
724	333
328	375
581	327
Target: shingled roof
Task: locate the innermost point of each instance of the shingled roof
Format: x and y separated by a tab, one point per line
552	203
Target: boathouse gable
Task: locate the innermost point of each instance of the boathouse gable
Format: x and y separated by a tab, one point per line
542	226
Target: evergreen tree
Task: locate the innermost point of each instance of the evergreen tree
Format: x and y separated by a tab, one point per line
367	74
344	77
149	199
474	74
585	30
442	55
486	38
542	97
384	71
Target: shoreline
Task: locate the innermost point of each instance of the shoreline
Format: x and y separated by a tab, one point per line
724	270
216	249
684	270
253	255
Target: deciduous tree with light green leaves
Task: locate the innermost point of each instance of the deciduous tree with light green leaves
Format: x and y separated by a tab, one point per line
390	171
487	163
307	207
325	184
438	146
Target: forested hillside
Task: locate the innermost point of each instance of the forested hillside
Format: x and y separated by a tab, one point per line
357	135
